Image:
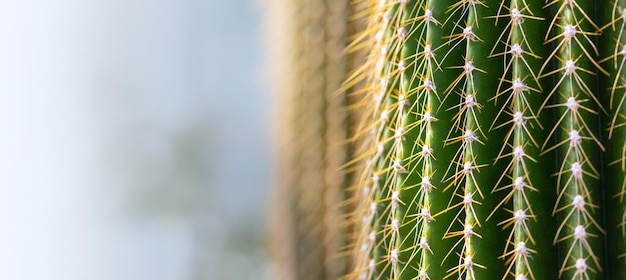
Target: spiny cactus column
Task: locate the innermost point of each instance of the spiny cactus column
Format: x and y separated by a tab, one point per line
574	97
311	132
484	122
519	98
408	155
491	135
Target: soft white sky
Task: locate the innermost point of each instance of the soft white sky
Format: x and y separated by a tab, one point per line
132	140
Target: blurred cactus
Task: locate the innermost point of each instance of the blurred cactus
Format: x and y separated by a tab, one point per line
490	139
312	130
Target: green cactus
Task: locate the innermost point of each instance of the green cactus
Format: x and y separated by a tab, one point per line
491	140
496	149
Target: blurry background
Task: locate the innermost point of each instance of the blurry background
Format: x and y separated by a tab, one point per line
133	140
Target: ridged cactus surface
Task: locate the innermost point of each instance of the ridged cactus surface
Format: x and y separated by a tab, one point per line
490	139
494	141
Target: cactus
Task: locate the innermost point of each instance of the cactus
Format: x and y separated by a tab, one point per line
491	140
495	148
307	203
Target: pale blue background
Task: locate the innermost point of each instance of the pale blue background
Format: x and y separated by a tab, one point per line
133	140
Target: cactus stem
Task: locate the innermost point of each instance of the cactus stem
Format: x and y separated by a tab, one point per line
577	172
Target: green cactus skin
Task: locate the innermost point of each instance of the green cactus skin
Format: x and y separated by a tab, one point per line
614	40
575	99
529	253
491	141
519	99
475	150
